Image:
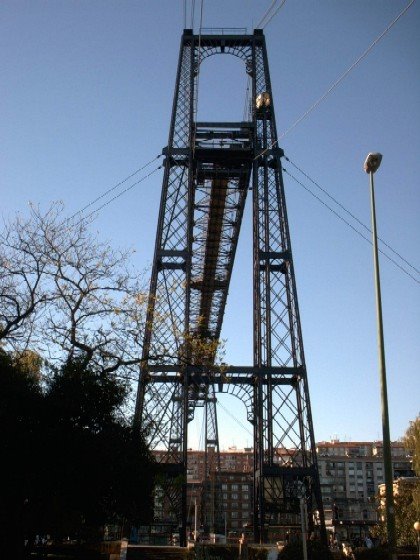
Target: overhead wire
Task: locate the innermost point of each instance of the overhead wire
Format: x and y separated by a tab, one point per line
108	191
198	69
349	69
119	194
234	417
192	13
265	14
340	79
351	214
269	14
340	217
282	3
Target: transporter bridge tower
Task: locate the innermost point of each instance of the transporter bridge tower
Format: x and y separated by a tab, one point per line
211	168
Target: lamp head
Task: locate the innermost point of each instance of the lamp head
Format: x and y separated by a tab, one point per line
372	162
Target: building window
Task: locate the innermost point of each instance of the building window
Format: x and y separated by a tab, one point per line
234	496
234	487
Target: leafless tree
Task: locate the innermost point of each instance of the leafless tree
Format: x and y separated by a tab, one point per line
22	291
64	293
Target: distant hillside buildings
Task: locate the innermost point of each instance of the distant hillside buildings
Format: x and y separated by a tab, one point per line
350	474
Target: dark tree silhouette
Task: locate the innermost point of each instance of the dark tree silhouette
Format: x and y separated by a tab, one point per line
73	462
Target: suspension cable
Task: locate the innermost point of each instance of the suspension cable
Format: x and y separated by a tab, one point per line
350	214
337	215
114	187
198	73
192	13
119	194
241	424
268	10
282	3
340	79
247	99
347	72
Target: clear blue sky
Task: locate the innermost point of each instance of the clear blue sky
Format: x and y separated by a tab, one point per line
86	96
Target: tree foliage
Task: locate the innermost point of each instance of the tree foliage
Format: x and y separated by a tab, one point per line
411	442
294	551
407	511
406	494
73	463
72	319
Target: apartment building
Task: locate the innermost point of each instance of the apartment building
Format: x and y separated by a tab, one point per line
350	474
228	492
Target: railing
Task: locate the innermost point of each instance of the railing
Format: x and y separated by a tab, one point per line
224	31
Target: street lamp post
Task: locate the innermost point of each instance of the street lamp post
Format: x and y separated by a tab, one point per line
371	165
417	530
304	522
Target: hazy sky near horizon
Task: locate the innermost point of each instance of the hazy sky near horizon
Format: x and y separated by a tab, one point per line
86	99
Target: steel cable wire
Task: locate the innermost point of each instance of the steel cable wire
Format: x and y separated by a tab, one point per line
119	194
339	80
108	191
351	214
307	189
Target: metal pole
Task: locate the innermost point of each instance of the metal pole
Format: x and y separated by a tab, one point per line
389	494
303	525
195	519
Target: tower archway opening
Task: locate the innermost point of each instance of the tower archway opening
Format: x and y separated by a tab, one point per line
222	89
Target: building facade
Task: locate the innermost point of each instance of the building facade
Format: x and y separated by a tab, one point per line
350	475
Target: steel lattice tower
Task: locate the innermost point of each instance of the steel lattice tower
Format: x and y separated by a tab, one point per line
209	169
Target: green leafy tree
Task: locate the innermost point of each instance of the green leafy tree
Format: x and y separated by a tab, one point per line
101	469
73	462
406	494
411	442
21	425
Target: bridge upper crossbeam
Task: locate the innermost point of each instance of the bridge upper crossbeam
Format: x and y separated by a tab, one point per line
222	165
